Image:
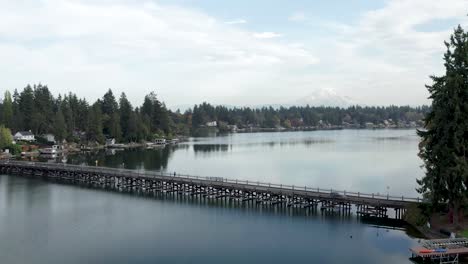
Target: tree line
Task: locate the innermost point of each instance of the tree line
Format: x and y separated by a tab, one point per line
76	120
300	116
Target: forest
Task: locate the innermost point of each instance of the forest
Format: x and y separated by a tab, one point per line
75	119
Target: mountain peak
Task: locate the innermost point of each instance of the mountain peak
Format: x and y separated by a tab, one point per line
326	97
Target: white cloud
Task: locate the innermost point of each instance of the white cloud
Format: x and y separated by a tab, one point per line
384	57
298	16
185	55
266	35
236	21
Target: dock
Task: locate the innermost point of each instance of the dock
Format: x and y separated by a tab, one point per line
447	251
367	204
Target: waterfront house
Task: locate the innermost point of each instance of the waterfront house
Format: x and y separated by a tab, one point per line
110	141
369	125
212	124
55	149
160	141
232	128
49	138
24	136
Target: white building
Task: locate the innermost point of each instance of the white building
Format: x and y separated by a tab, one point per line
211	124
160	141
49	137
110	141
24	136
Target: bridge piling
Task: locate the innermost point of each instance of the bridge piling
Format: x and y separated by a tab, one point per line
243	192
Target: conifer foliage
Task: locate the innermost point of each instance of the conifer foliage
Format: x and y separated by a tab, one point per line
444	141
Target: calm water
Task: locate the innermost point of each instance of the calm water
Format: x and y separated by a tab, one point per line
44	222
355	160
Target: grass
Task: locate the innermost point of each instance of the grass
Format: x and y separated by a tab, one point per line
464	233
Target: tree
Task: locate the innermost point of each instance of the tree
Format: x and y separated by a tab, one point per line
132	128
5	137
43	114
17	115
114	127
60	127
7	115
26	107
444	142
156	114
110	117
94	132
127	121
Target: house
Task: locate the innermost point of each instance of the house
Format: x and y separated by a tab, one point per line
24	136
160	141
369	125
232	128
49	137
211	124
110	141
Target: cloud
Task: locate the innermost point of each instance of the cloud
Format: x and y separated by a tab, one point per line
384	57
266	35
186	56
236	21
298	16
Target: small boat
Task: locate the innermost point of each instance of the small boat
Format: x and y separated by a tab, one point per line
424	251
160	141
116	146
55	149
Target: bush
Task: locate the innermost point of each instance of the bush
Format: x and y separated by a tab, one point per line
15	149
417	215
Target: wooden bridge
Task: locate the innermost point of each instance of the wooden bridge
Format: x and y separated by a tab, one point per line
216	187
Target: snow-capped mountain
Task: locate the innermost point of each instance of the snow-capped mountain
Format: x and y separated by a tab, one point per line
326	97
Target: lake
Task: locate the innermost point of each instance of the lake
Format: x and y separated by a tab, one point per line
47	222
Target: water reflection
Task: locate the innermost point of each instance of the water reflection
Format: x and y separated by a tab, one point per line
138	158
122	228
206	148
326	159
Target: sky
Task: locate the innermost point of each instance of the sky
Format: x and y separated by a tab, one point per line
241	52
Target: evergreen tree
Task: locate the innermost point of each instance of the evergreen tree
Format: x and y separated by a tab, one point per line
126	111
94	132
17	115
444	142
132	128
114	127
109	109
60	127
43	110
7	110
26	107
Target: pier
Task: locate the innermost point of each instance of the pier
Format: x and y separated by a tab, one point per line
366	204
445	251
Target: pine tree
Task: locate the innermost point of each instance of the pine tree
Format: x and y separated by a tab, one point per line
111	122
26	107
126	111
94	132
444	142
132	128
60	127
7	112
114	127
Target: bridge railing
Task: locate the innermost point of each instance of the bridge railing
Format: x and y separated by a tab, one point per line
158	174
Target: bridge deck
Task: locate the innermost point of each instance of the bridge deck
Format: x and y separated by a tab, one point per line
359	198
